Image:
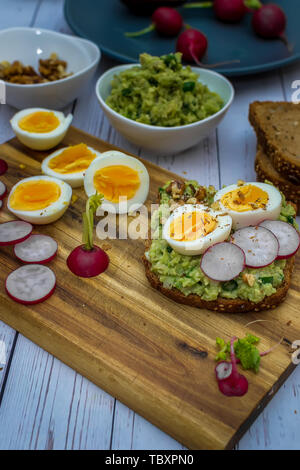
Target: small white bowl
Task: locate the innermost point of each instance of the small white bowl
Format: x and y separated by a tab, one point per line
28	45
166	139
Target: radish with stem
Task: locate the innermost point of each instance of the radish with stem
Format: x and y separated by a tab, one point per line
231	382
88	260
166	21
193	45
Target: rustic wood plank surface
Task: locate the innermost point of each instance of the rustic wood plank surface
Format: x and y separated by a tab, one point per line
115	426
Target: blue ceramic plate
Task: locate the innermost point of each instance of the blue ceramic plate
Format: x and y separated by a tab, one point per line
105	21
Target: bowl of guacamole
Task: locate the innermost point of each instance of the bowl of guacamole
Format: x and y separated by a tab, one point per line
162	105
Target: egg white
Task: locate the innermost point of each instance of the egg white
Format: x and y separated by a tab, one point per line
253	216
200	245
75	180
51	213
111	158
45	140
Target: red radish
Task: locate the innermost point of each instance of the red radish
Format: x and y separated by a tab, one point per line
231	382
269	21
230	11
287	236
3	190
166	21
223	261
88	260
193	45
30	284
3	166
14	232
259	245
36	249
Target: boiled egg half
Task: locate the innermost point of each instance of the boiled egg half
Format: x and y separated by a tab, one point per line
70	164
191	229
123	180
39	200
40	129
250	203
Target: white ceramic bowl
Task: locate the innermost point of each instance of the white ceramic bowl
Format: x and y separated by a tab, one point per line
28	45
166	139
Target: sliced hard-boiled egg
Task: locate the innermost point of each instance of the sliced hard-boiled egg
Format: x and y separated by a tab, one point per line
191	229
70	164
40	129
123	180
250	203
39	200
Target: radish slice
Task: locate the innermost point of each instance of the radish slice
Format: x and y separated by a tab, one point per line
3	190
30	284
223	261
36	249
223	370
259	245
287	235
14	232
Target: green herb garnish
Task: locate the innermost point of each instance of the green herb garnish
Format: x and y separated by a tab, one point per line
245	350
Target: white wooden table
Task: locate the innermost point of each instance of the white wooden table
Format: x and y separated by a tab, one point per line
45	404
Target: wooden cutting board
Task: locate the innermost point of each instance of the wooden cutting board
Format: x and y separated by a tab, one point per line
152	354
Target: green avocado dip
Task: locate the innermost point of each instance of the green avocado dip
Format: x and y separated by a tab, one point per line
184	273
161	92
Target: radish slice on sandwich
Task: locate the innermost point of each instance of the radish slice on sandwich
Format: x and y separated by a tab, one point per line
223	261
288	237
3	190
30	284
36	249
259	245
14	232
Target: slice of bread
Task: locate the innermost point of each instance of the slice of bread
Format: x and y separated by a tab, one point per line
265	171
277	125
221	304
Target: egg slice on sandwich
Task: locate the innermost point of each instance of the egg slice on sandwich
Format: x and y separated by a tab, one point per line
70	164
249	203
123	180
40	129
191	229
39	200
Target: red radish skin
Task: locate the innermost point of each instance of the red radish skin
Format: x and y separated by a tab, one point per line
87	263
193	45
269	21
7	229
3	190
3	167
24	279
165	20
234	385
231	11
22	250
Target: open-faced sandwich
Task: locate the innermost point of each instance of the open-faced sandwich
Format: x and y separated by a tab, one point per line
230	250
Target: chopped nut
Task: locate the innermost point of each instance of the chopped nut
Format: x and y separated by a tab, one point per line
249	279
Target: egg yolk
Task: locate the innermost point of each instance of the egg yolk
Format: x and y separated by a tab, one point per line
74	159
245	198
34	195
190	226
40	122
117	181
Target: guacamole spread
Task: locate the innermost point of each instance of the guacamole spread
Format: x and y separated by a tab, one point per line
161	92
184	273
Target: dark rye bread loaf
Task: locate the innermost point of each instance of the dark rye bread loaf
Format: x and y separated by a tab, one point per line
265	171
277	125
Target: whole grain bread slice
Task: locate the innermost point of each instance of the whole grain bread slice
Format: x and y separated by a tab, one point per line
221	304
277	126
265	171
